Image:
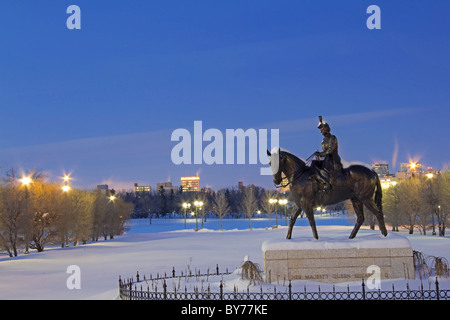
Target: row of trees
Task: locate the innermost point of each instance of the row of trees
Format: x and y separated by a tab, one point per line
229	201
237	203
35	213
419	202
40	213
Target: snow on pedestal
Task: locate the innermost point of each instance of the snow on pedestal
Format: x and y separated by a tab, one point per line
335	260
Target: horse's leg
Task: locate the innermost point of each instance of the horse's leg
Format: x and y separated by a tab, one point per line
370	204
312	222
292	222
358	206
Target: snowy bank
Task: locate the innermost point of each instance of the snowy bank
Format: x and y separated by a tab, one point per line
367	241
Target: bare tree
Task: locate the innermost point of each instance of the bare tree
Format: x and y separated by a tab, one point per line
45	207
249	204
442	206
391	207
81	206
410	203
119	213
221	205
12	202
265	204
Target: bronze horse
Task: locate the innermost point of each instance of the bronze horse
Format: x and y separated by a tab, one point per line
358	183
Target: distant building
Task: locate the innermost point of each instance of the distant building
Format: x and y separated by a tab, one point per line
416	167
141	190
382	169
103	188
404	167
242	187
412	168
167	187
190	183
430	172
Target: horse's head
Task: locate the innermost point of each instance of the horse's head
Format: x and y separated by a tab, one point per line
275	162
284	162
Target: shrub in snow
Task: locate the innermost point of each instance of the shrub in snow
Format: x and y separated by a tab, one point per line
251	271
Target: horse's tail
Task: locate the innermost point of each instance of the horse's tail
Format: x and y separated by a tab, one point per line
378	193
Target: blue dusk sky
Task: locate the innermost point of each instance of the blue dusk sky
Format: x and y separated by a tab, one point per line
102	102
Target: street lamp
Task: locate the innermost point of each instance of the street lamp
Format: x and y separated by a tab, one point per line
185	206
274	202
66	188
112	195
412	168
197	204
26	181
430	177
439	215
66	185
284	202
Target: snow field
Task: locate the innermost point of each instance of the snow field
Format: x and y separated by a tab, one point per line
141	249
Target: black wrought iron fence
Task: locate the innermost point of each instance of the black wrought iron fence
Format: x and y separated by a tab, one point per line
139	289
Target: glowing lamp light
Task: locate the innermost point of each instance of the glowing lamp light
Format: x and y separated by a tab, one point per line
198	203
26	180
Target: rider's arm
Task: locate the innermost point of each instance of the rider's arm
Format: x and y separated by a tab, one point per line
332	147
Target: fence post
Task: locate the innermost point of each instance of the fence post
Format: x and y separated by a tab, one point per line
290	290
120	287
221	290
408	290
130	291
165	290
437	288
363	290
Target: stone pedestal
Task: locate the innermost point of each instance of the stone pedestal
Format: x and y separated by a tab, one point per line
338	260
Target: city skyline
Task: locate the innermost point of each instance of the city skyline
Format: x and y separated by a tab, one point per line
382	169
102	102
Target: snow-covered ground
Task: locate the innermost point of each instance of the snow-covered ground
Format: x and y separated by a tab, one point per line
157	248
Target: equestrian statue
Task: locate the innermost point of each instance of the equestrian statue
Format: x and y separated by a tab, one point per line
325	182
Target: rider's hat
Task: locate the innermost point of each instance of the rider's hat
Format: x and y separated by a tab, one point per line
322	123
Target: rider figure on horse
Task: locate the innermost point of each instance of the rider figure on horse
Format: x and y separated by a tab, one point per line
330	167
